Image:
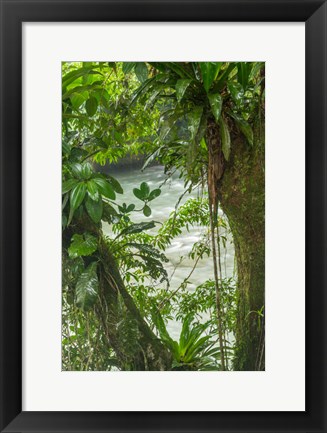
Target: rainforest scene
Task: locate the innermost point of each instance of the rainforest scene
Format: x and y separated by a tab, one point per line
163	216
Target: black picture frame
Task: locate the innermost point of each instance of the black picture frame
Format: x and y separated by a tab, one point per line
13	14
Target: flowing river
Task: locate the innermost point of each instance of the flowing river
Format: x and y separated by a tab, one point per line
179	265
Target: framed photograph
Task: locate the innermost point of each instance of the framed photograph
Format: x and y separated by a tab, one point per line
163	216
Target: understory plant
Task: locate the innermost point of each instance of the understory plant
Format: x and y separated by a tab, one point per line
195	350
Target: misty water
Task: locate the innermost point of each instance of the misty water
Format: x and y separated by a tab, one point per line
179	265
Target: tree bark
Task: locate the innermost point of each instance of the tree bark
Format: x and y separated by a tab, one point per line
145	351
135	345
215	172
242	197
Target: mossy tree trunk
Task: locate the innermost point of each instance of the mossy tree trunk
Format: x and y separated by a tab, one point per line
130	336
242	198
127	333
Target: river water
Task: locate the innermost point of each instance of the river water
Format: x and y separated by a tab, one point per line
180	247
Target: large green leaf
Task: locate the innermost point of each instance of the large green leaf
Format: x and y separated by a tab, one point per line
64	202
109	214
87	288
245	128
149	250
155	268
128	67
196	347
164	335
94	209
105	188
146	210
223	77
137	228
138	193
152	157
178	68
141	71
91	106
77	170
92	190
77	99
236	91
153	97
82	245
184	335
143	192
209	72
255	69
201	130
167	122
225	138
194	119
181	87
145	87
80	89
77	195
244	69
86	171
68	185
196	70
66	148
130	208
144	187
154	194
73	75
160	66
216	102
115	184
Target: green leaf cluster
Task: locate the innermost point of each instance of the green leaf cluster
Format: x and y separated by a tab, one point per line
144	194
87	288
82	245
84	186
194	350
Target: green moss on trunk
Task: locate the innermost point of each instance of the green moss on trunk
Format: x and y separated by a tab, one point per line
242	197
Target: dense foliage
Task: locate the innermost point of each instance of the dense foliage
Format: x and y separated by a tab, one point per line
203	122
